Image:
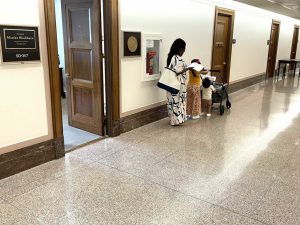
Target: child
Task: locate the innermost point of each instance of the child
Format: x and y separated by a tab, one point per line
193	92
206	95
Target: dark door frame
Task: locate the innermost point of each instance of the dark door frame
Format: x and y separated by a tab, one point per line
277	22
295	27
231	14
112	80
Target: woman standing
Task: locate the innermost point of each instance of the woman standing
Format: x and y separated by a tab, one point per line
177	102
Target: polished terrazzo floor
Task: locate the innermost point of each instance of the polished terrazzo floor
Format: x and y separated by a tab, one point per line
240	168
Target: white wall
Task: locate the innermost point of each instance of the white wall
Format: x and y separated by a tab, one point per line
285	39
59	30
25	113
193	21
250	53
60	38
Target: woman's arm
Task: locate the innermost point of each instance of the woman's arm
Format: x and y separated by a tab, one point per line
183	71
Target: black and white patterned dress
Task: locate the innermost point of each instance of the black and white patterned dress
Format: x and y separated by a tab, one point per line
177	103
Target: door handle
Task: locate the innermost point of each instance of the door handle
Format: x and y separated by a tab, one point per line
224	63
67	75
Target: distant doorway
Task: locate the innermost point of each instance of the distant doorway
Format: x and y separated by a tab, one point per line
294	45
295	42
222	43
273	46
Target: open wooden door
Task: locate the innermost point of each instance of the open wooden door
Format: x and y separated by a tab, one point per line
82	32
223	33
295	42
273	46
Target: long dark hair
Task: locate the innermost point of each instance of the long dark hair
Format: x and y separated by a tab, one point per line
176	47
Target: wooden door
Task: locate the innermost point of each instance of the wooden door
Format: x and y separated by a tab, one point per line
273	46
295	42
82	32
222	44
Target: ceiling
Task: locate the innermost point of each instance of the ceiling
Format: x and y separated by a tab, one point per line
289	8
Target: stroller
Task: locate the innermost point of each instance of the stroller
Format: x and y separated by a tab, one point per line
221	93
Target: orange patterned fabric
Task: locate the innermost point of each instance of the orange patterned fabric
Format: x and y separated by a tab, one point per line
193	100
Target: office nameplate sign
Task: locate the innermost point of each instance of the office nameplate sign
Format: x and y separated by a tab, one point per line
19	43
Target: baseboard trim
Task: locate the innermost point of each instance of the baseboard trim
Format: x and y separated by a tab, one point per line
241	84
25	158
132	112
142	118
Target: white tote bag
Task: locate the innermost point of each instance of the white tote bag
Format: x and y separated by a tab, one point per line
169	81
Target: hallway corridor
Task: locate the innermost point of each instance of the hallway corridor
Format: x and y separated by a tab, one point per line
241	168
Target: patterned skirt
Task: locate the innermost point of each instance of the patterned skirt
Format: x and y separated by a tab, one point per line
193	100
177	107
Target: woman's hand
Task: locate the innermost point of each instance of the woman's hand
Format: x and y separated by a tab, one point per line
204	71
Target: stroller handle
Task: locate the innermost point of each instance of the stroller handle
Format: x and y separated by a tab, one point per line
217	71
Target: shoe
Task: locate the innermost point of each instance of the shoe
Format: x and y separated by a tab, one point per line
208	114
195	117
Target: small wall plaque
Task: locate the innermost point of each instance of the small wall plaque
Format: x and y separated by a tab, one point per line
132	43
19	43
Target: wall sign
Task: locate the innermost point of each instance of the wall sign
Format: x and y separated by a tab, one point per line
19	43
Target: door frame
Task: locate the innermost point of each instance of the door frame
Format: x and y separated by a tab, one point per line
295	27
112	79
277	22
230	13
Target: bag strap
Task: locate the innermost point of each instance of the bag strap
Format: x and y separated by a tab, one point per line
170	69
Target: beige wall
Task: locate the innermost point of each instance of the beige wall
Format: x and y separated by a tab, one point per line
193	21
25	111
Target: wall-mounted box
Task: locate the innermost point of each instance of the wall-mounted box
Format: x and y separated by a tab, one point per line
151	56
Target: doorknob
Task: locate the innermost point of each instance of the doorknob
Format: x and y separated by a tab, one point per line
67	75
224	63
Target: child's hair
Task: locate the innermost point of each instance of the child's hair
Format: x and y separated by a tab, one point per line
206	82
195	61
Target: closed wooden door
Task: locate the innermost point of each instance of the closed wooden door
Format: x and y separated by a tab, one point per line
82	27
273	46
295	43
221	46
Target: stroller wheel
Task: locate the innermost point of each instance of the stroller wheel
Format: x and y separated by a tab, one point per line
222	109
228	104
